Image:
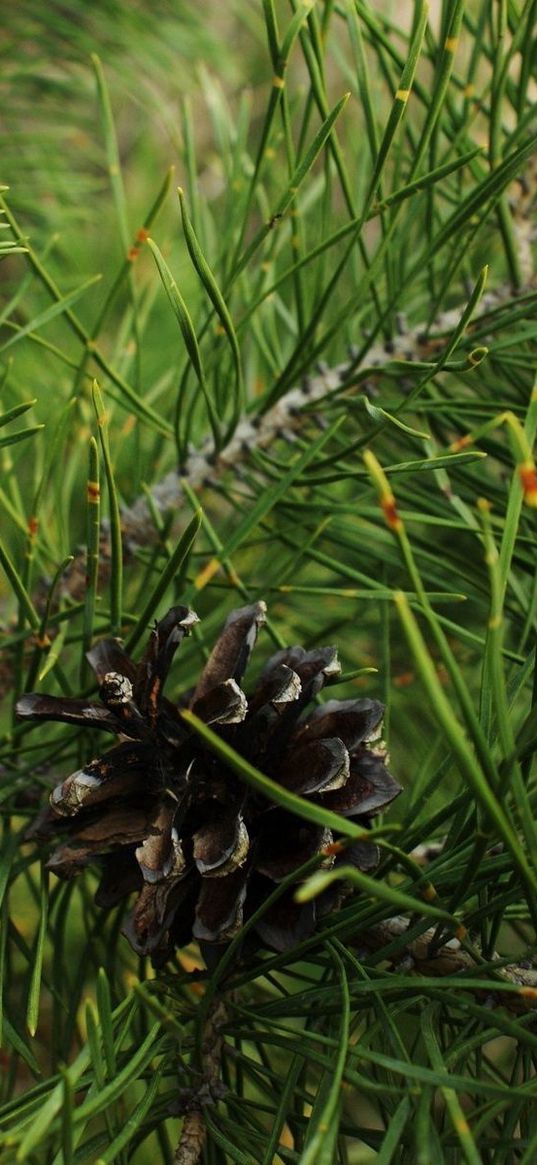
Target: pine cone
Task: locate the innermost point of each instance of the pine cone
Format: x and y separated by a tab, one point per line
166	818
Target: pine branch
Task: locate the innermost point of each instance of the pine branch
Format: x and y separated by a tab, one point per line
420	957
194	1132
288	415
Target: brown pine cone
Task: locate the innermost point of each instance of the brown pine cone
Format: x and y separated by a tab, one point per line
163	816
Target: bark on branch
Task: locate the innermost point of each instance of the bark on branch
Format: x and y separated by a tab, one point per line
451	959
194	1131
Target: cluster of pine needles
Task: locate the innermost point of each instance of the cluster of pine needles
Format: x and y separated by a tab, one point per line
357	183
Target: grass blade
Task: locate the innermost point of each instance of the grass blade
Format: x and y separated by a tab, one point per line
32	1009
215	295
116	544
93	532
322	1133
174	564
189	336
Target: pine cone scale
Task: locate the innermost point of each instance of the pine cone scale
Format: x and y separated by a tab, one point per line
157	856
221	846
352	721
369	788
108	656
315	767
224	704
34	706
219	910
232	651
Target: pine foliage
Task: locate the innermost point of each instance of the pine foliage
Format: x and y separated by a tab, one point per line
350	255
